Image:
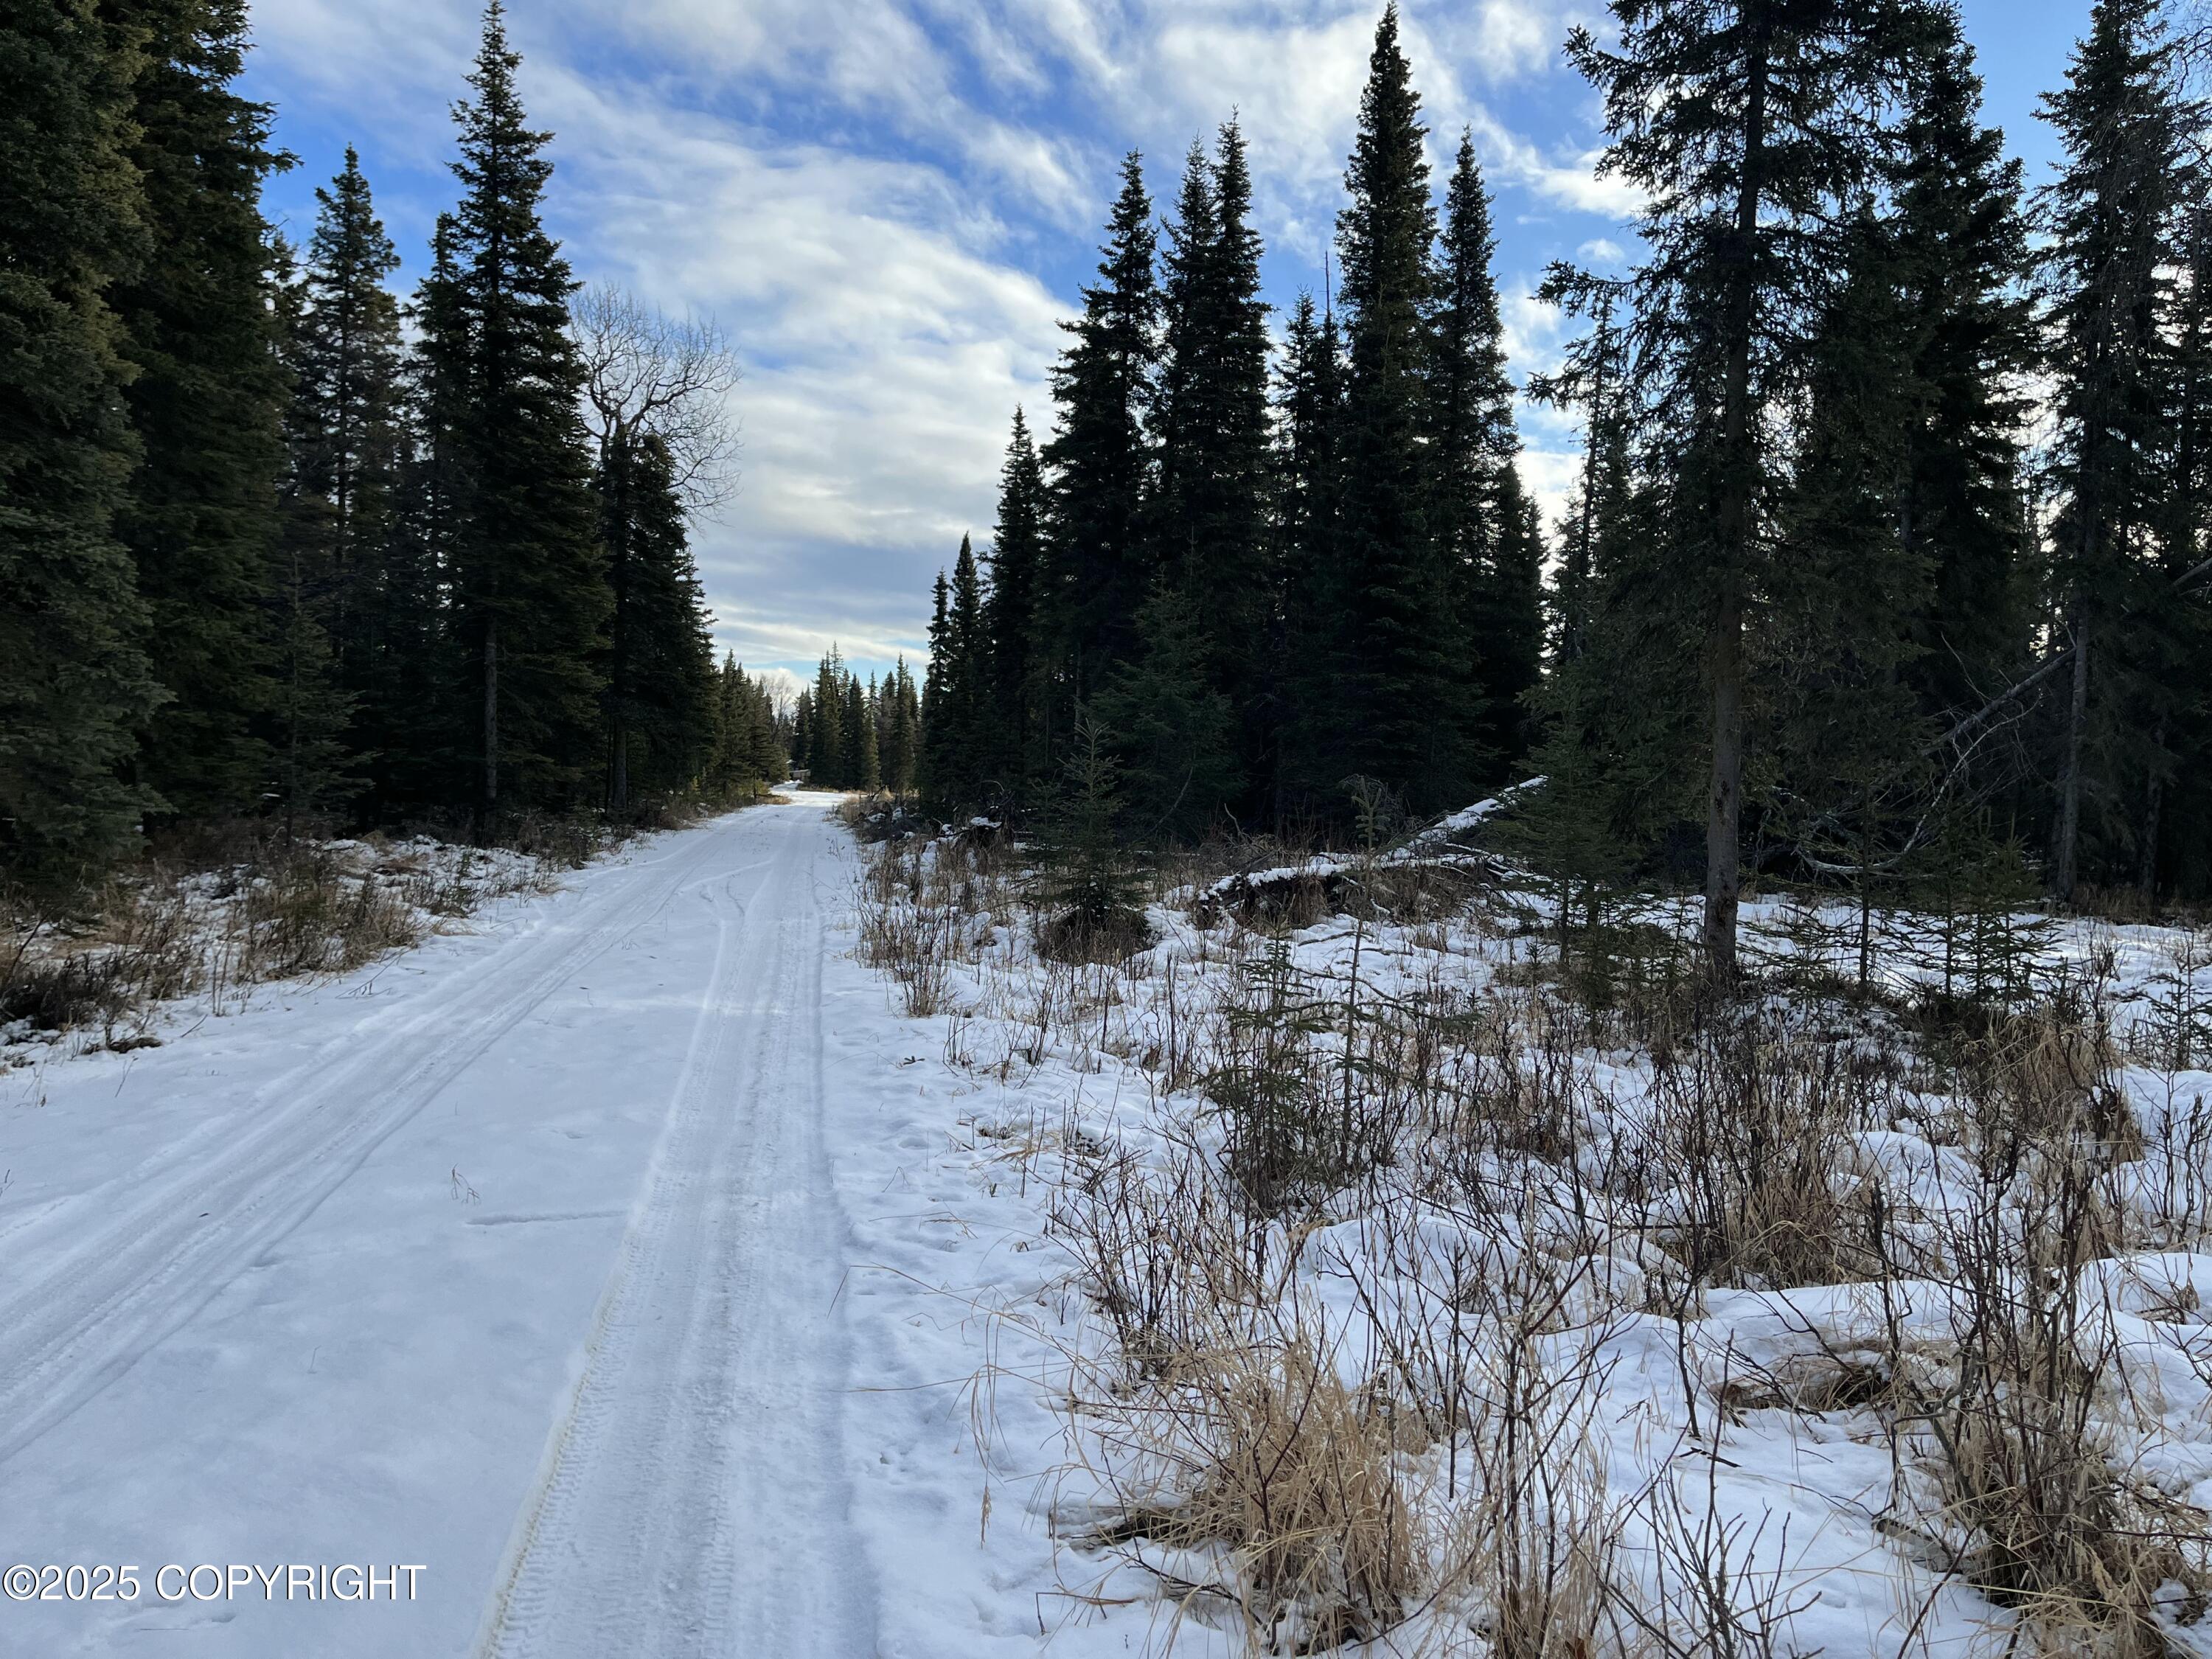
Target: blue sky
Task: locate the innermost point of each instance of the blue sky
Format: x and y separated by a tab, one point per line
889	204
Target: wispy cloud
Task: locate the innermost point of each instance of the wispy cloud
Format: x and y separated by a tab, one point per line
888	203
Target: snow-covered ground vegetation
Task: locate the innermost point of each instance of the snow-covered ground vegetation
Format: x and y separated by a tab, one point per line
1406	1263
184	938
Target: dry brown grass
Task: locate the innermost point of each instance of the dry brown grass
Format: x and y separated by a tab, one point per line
1270	1484
101	961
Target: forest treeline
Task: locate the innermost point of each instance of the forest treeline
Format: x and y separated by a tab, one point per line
1884	568
276	544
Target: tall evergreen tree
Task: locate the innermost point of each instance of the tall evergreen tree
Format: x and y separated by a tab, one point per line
2110	215
828	762
348	436
865	770
1405	650
934	764
207	398
964	710
75	682
659	660
346	638
2174	639
1477	512
1310	648
1959	241
1848	782
530	592
1211	517
1745	122
1011	623
1594	377
902	731
1101	461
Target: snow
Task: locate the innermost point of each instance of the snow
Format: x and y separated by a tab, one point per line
629	1263
523	1257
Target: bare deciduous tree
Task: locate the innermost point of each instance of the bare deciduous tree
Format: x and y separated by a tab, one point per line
647	371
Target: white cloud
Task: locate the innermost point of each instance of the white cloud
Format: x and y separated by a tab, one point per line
859	190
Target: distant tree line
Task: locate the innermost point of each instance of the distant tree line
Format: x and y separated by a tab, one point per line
1885	564
263	553
1261	577
846	733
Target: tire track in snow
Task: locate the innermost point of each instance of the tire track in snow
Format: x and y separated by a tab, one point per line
693	1498
179	1230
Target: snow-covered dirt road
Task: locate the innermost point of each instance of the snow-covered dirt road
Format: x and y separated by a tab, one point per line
524	1258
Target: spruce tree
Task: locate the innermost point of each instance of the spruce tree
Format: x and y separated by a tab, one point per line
2173	641
1593	378
1402	647
901	731
1744	122
1171	726
75	682
1310	649
659	660
1849	783
2109	218
1101	461
207	397
1210	514
802	732
530	592
1017	649
829	763
1959	241
1477	509
933	765
347	489
963	707
866	767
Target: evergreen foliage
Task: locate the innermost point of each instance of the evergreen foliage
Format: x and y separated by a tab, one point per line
75	685
207	397
2110	215
659	666
1485	531
1745	126
1012	618
1101	463
1210	511
1171	728
1815	587
1401	691
531	596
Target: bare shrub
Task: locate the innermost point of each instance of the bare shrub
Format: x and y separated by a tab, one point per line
304	915
99	962
1540	1541
913	942
1747	1129
1717	1587
2033	1488
1272	1484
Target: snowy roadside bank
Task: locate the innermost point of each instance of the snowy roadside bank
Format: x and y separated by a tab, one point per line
1354	1284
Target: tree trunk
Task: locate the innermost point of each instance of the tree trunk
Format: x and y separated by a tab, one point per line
2154	810
1724	807
491	723
2065	865
1725	803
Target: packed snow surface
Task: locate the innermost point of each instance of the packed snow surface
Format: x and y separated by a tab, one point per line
576	1260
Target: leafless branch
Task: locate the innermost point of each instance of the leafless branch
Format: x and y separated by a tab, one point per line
647	371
